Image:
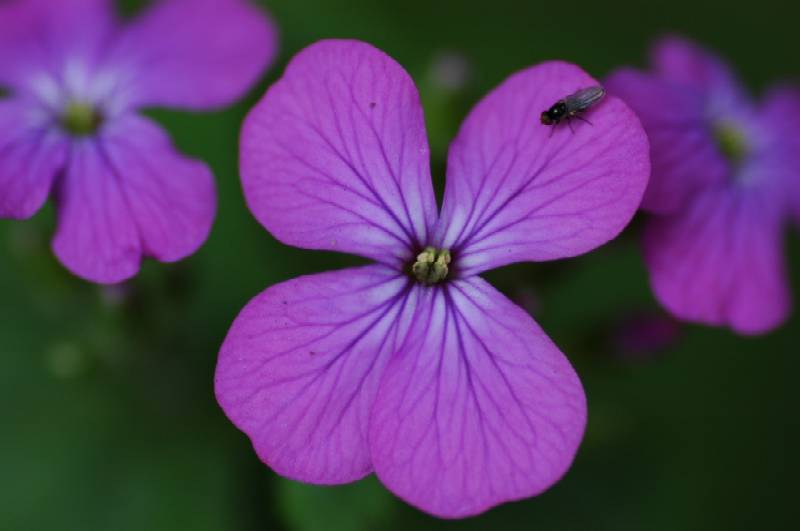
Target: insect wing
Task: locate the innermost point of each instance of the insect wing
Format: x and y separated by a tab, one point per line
584	98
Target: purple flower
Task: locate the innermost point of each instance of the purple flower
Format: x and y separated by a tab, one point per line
414	367
642	335
76	78
724	184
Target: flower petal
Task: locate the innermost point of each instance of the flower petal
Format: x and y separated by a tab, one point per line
126	194
720	261
335	156
31	153
195	54
514	192
782	111
683	152
684	62
172	198
478	407
38	37
96	237
781	114
301	364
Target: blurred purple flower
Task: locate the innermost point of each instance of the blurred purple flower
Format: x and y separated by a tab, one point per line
416	368
724	183
77	77
642	335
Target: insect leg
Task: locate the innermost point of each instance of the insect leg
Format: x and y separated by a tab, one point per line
582	119
569	123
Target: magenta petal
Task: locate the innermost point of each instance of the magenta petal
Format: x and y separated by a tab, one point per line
31	153
301	364
720	262
129	194
335	156
96	237
478	407
781	113
683	151
516	193
195	54
684	62
38	36
172	198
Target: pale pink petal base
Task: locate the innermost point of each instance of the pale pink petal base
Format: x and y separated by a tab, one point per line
720	261
300	367
518	190
479	407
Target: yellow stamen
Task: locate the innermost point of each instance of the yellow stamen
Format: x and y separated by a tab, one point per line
80	118
431	266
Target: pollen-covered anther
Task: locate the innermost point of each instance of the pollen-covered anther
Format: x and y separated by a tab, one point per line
80	118
431	266
731	141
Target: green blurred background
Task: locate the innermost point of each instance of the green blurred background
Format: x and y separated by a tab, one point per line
108	415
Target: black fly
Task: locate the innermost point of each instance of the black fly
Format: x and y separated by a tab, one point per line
573	106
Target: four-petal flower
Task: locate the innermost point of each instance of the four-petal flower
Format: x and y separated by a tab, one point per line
724	183
77	76
414	367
